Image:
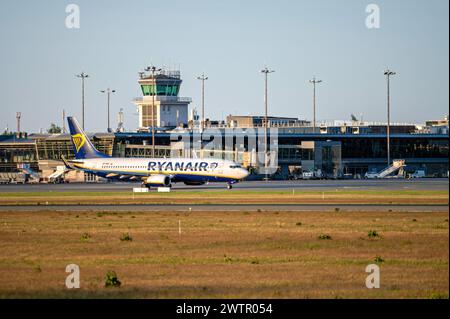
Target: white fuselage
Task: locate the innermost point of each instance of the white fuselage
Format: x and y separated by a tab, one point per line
179	169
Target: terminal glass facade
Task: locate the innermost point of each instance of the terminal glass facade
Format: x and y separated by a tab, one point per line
403	148
54	148
17	153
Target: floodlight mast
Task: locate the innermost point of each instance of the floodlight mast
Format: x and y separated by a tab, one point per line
203	78
388	73
266	71
82	76
314	82
108	91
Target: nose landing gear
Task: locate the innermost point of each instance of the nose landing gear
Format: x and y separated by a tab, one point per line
229	186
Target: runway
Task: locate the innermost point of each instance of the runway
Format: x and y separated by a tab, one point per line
299	186
305	185
231	207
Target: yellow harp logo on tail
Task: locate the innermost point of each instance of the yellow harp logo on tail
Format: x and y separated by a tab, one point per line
78	141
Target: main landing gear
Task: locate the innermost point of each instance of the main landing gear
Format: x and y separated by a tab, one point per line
229	186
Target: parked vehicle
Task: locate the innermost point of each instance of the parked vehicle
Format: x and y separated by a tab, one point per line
307	175
418	174
371	175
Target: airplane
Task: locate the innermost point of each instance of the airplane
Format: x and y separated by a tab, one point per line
152	172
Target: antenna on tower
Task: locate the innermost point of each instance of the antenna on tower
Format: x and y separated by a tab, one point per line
18	117
120	121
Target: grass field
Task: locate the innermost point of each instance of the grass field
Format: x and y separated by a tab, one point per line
230	197
225	254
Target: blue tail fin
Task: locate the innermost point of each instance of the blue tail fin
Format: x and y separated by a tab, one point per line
82	146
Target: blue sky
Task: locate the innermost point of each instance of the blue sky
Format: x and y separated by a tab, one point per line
230	41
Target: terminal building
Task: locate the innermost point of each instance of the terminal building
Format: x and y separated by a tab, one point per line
340	148
336	152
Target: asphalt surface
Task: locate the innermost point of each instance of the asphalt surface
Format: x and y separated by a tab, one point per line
231	208
306	185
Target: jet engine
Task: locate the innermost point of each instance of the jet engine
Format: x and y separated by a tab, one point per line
159	180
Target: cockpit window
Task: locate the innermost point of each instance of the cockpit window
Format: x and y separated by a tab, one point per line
235	166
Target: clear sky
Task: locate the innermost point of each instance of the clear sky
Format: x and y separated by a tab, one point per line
230	41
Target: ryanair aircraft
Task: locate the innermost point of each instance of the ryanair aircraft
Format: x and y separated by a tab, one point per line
150	171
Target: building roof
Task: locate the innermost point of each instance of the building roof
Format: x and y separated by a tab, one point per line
14	140
64	137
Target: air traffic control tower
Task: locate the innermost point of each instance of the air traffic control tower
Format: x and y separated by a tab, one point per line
160	105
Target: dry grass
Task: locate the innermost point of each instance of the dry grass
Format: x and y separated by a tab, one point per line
224	254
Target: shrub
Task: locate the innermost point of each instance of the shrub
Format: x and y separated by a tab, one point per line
378	259
373	234
299	224
337	209
437	295
324	237
111	279
126	237
85	237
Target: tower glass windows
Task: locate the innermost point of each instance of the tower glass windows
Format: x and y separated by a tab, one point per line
161	89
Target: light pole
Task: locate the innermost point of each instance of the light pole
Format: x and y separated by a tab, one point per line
153	70
265	71
108	91
82	76
203	78
314	82
388	73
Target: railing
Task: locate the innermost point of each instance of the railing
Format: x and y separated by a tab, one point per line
164	98
326	124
